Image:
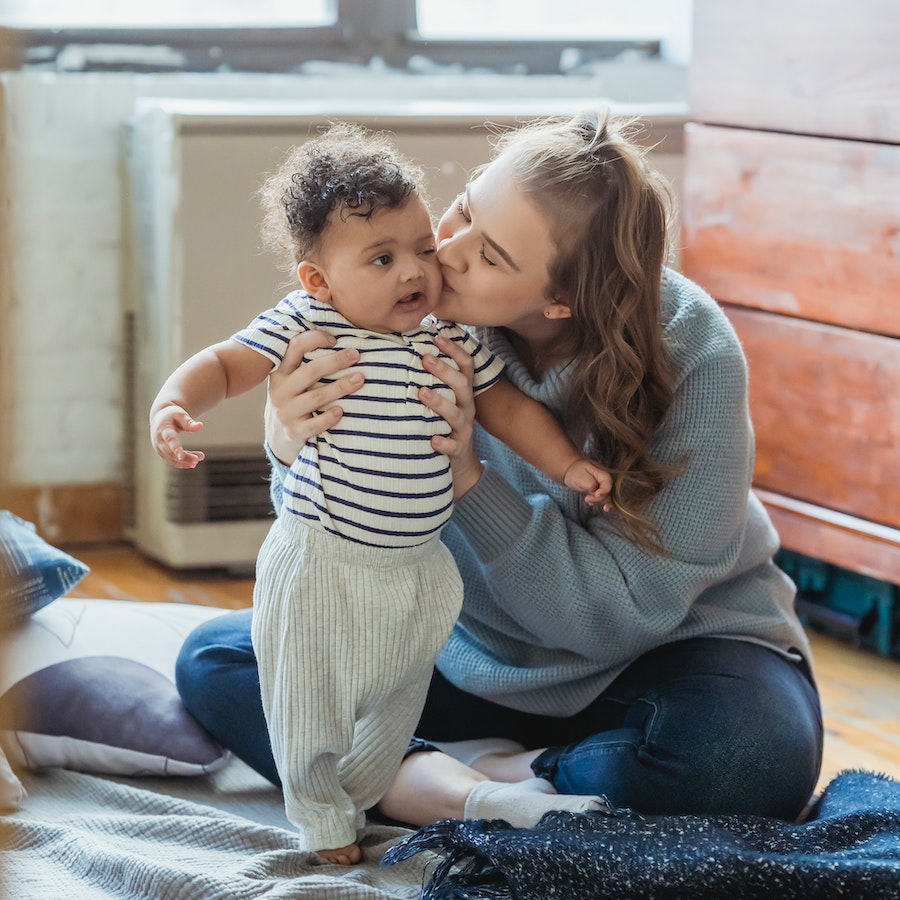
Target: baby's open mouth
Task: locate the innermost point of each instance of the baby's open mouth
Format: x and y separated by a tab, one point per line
410	299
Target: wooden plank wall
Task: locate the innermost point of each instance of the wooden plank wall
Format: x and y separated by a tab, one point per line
824	68
791	219
796	225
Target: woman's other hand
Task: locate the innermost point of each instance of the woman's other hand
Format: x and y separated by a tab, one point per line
460	416
295	409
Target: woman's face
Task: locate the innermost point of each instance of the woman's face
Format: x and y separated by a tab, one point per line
494	247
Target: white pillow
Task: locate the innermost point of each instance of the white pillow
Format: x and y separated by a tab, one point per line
90	685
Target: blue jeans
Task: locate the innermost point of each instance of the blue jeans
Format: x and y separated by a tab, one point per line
698	726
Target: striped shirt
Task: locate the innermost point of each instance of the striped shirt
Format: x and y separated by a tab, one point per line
374	477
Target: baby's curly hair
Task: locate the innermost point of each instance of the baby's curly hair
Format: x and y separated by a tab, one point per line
346	169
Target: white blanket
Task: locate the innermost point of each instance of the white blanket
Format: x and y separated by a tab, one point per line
219	837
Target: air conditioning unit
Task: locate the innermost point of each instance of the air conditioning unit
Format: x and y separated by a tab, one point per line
200	274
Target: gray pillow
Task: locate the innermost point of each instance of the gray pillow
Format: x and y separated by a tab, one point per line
90	685
33	573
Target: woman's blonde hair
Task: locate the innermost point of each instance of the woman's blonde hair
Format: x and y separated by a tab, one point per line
609	215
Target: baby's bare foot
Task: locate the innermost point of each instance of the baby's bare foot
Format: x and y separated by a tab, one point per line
342	856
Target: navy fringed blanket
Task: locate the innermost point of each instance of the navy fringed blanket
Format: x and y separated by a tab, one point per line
848	847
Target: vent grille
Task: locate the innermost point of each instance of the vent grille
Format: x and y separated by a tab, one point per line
234	488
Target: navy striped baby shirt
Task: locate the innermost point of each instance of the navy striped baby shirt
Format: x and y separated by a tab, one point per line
374	477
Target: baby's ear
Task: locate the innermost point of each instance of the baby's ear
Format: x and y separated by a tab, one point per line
314	281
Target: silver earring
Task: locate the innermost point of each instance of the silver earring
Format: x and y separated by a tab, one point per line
547	313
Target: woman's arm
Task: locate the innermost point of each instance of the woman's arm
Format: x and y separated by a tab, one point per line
459	415
292	402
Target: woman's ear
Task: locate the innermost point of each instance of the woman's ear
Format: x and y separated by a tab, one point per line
558	308
313	281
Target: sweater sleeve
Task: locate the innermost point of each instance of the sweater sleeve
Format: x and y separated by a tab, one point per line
558	578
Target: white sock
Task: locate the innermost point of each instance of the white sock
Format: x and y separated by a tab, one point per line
467	752
523	803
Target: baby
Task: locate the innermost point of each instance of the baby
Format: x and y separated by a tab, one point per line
355	593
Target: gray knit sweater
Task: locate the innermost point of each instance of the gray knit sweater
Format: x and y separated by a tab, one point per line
557	602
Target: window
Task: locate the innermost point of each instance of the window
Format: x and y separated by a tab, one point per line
540	19
165	13
665	21
522	36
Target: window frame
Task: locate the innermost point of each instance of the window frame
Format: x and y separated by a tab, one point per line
365	30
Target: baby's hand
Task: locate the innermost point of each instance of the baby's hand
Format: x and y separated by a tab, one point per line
588	478
166	425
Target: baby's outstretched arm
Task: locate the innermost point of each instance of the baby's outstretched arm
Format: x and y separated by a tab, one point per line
223	370
530	429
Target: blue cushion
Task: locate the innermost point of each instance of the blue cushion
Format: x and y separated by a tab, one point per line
32	572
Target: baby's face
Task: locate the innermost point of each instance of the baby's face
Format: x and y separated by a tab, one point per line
382	273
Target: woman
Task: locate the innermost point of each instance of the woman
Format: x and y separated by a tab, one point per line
650	653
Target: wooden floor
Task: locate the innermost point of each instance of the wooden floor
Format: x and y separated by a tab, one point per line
860	690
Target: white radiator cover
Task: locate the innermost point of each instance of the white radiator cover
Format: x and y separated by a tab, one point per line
200	274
